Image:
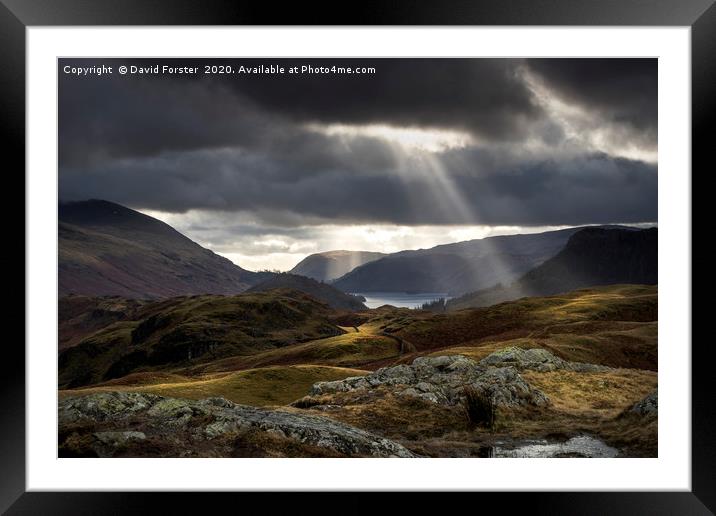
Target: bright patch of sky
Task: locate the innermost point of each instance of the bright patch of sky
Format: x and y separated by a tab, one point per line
244	243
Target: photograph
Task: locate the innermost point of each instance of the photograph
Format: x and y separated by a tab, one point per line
369	257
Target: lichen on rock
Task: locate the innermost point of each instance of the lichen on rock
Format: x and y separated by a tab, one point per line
647	406
537	359
132	418
443	380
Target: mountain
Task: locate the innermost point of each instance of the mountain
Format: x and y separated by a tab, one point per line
333	264
106	249
456	268
321	291
593	256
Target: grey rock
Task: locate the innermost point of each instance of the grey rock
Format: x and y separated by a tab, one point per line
443	380
425	387
101	408
432	397
647	406
506	387
119	438
410	392
536	359
212	418
348	384
328	408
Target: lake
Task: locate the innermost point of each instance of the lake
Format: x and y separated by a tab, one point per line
399	299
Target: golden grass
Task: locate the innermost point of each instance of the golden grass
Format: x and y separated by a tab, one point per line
394	417
347	350
610	343
598	303
265	386
590	403
603	395
534	317
480	350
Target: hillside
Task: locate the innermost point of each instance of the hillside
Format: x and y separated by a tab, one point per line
109	250
321	291
554	369
613	325
185	331
81	316
456	268
333	264
592	257
209	335
264	386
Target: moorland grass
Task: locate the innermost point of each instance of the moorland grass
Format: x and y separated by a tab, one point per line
278	385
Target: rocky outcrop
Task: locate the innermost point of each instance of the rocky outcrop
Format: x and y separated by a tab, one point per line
648	406
442	380
537	359
118	419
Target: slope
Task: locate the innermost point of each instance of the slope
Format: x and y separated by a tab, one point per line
331	265
592	257
106	249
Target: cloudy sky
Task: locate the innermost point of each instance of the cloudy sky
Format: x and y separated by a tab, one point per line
268	168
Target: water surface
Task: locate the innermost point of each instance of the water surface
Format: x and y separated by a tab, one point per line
399	299
580	446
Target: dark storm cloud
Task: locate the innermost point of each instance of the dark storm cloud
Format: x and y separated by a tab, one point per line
117	115
588	189
108	117
622	91
239	143
486	97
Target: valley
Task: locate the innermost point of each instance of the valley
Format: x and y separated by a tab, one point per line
167	349
376	258
555	368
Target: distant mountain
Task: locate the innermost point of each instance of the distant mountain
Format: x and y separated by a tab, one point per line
456	268
333	264
593	256
107	249
320	291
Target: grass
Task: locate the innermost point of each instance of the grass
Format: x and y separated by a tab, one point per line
402	418
625	345
81	316
603	395
590	403
614	326
480	350
184	331
264	386
348	350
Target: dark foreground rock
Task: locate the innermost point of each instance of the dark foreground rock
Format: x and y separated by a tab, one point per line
442	380
136	424
537	359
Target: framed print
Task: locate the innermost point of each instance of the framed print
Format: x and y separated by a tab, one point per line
425	248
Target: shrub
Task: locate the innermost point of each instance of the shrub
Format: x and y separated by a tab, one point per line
305	402
479	408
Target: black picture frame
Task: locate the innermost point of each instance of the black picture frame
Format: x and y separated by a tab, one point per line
17	15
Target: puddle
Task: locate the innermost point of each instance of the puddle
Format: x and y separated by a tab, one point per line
581	446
